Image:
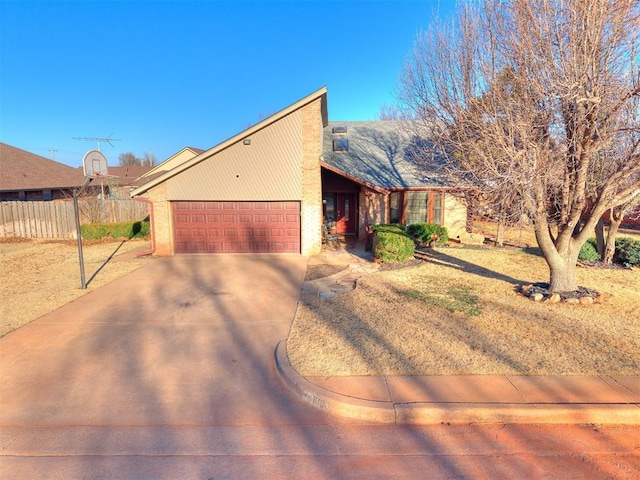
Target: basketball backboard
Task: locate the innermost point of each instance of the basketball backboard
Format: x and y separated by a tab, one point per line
94	164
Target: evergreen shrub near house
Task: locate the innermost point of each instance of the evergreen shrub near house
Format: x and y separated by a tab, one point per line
589	251
425	233
392	244
96	231
627	251
390	227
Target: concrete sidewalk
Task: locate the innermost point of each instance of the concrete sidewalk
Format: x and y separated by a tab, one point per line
465	399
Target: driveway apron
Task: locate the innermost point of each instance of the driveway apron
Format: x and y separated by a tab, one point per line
187	340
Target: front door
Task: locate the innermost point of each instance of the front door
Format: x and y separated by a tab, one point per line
346	207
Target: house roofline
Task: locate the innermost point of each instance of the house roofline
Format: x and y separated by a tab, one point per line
161	164
353	178
320	93
419	189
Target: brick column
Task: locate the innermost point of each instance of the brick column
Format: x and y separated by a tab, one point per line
163	221
311	208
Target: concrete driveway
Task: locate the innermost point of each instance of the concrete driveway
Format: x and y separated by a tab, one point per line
183	340
168	372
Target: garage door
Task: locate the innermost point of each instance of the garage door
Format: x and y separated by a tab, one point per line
236	227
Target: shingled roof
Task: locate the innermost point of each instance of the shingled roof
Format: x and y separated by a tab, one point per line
126	175
22	170
381	154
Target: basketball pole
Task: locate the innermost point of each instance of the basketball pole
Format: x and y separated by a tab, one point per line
76	209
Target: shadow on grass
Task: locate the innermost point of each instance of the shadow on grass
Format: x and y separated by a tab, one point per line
440	258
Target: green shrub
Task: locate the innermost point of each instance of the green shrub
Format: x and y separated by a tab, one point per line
588	251
389	227
628	251
95	231
425	233
392	246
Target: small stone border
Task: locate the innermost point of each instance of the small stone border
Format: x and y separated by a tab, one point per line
539	292
341	282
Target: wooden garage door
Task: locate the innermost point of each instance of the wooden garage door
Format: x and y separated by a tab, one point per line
236	227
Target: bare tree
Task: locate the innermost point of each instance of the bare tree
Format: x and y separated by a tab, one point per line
606	244
149	159
522	98
128	159
389	112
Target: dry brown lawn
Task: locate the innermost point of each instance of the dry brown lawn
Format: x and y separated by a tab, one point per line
41	276
460	313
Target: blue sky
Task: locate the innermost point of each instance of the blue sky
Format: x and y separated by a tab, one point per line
162	75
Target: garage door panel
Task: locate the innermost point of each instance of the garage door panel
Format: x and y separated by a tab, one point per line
239	227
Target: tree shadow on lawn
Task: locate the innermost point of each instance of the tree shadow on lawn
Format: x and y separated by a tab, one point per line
440	258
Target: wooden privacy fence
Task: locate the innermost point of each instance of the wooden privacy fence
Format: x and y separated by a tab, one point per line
56	220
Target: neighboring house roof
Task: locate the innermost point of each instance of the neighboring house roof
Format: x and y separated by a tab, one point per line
321	93
126	175
22	170
383	155
178	158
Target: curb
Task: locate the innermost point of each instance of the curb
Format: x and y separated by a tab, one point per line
417	413
330	402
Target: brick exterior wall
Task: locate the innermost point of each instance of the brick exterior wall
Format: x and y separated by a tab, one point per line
162	220
311	207
455	216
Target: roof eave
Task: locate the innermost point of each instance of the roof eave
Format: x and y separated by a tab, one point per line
359	181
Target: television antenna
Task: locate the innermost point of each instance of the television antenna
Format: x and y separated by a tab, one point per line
108	139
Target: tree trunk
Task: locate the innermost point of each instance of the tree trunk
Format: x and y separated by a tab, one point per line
500	233
600	243
563	275
562	256
610	248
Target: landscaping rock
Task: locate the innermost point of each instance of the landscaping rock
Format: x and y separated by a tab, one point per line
537	297
554	298
539	292
526	288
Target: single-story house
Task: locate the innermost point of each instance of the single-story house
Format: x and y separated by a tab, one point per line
27	176
271	187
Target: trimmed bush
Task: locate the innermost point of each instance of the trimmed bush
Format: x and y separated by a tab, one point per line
392	244
425	233
588	251
95	231
389	227
628	251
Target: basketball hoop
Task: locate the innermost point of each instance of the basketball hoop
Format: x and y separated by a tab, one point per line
94	164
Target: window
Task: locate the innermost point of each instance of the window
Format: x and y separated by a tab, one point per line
341	145
416	207
424	207
395	207
437	208
329	209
